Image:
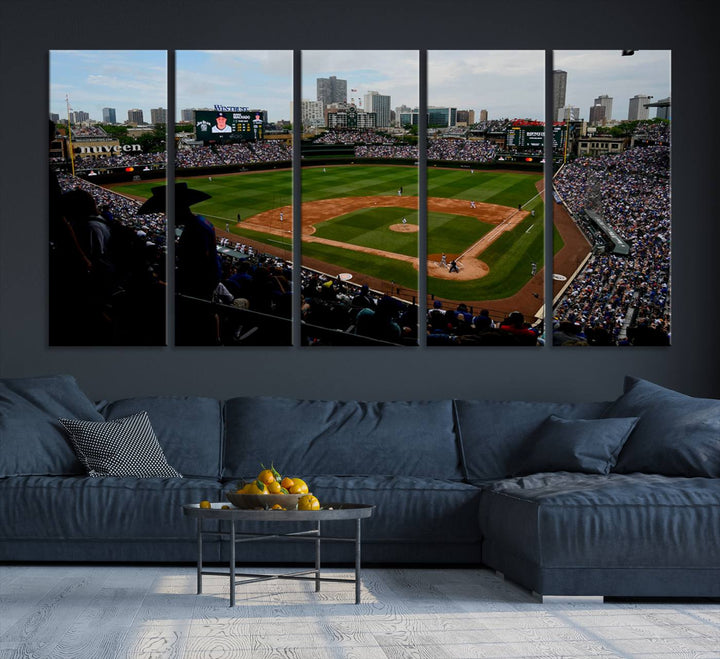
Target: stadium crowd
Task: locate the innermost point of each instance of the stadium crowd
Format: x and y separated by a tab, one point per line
107	268
353	137
130	159
88	131
238	153
461	150
616	299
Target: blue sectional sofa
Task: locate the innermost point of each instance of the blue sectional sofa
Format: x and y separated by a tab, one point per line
610	498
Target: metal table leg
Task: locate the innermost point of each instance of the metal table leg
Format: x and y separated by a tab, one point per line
200	555
317	560
232	562
357	561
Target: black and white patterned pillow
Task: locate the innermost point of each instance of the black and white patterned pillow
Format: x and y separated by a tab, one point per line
121	447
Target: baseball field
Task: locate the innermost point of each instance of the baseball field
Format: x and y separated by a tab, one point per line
354	220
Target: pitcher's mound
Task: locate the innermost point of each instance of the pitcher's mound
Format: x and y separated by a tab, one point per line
404	228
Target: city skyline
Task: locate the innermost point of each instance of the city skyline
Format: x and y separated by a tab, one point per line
592	73
391	73
507	83
97	79
498	81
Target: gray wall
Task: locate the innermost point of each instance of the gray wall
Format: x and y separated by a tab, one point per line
690	365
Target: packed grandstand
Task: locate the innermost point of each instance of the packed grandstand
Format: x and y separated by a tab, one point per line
614	299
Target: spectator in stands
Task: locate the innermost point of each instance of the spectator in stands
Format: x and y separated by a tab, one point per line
198	265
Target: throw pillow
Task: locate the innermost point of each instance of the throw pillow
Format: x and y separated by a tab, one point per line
589	446
677	435
32	442
121	447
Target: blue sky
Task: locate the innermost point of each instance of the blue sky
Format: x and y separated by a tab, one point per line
120	79
592	73
506	83
392	73
257	79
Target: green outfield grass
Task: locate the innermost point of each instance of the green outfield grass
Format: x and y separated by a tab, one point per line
509	257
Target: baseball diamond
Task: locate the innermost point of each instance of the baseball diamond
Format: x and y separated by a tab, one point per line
352	221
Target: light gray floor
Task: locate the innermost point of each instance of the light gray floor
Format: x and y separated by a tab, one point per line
94	612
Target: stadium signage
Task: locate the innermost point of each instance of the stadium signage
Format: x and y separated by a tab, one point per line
108	149
230	108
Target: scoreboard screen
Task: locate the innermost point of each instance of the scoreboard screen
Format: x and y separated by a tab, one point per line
533	137
229	126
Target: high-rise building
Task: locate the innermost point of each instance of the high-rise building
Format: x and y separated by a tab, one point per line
637	110
79	116
607	102
483	115
54	117
663	111
407	116
380	105
135	116
109	116
568	113
331	90
465	117
559	89
597	115
187	114
311	113
441	117
158	116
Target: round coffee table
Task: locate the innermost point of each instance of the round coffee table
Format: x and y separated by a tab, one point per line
329	513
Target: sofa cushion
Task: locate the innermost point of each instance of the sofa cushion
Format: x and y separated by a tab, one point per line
121	447
313	437
32	441
408	509
189	429
565	520
677	435
590	446
494	434
102	509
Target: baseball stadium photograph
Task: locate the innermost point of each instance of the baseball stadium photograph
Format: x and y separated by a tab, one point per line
482	215
612	180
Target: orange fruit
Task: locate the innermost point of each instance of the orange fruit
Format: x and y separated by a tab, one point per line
205	504
266	476
256	487
299	487
308	502
274	487
287	482
277	506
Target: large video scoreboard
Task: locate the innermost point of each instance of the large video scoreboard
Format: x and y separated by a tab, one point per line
232	126
533	137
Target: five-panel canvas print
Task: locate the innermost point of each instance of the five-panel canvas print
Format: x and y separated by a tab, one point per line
185	229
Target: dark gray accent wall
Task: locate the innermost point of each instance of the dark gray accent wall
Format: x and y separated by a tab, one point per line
30	31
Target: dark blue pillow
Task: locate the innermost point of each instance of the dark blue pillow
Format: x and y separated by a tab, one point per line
32	441
677	435
589	446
